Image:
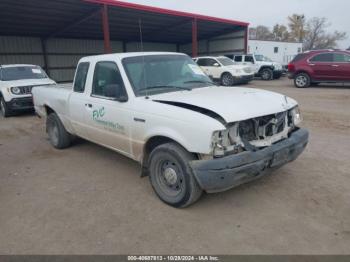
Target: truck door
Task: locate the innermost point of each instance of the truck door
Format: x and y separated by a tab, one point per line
77	100
107	118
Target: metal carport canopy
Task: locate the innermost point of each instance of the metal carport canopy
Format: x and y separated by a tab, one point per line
109	19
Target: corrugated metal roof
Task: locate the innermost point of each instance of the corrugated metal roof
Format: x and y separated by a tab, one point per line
82	19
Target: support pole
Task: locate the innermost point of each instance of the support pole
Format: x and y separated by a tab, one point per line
44	49
194	38
246	40
106	34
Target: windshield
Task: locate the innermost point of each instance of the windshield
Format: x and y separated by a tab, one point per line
154	74
22	72
226	61
262	58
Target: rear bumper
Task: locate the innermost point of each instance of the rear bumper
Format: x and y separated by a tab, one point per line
243	79
221	174
290	75
19	104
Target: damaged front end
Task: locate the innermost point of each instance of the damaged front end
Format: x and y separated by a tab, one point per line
256	133
247	149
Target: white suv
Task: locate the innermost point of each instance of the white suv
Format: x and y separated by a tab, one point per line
225	70
16	83
263	66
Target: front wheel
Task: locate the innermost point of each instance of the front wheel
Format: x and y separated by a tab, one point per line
5	111
227	79
302	80
266	74
59	137
171	177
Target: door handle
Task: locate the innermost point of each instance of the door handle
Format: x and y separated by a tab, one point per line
312	64
335	65
88	105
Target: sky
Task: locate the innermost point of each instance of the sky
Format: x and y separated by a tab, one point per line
268	12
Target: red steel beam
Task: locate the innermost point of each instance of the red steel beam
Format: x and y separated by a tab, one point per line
246	33
106	34
194	38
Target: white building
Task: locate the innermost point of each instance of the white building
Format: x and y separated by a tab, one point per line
282	52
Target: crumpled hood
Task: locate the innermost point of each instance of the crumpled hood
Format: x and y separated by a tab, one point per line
231	103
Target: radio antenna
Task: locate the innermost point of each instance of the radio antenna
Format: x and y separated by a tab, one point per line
143	59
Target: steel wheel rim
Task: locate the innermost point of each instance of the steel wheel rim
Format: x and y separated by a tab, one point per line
301	80
53	132
170	178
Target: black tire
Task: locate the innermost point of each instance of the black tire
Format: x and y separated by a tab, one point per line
227	79
5	111
302	80
171	177
266	74
58	136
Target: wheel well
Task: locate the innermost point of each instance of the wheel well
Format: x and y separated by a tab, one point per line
150	145
265	67
0	95
48	110
225	73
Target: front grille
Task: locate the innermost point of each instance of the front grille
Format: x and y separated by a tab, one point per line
262	127
26	90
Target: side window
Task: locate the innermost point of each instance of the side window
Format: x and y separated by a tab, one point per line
80	78
326	57
341	58
275	50
249	59
211	62
107	80
238	58
201	62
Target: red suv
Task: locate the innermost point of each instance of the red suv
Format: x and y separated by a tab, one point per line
320	66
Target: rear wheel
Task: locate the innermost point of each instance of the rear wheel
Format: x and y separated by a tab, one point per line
266	74
302	80
59	137
227	79
171	177
5	111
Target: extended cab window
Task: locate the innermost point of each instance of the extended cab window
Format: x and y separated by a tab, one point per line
107	80
327	57
238	58
80	78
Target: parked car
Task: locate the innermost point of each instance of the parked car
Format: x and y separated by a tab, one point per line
16	83
263	66
161	110
320	66
224	70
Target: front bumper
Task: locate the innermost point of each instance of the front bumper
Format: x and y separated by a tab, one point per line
243	79
221	174
19	104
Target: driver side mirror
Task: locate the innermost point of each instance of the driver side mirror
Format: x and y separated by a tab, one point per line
216	64
117	92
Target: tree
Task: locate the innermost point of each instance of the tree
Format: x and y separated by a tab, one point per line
261	33
296	24
317	36
281	33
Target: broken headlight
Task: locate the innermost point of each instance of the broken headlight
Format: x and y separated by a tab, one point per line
226	141
294	116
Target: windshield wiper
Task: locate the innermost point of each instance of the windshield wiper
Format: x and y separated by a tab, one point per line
164	86
200	81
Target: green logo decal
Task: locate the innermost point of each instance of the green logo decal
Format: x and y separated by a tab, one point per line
97	116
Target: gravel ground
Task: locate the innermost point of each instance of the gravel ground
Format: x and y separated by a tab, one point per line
90	200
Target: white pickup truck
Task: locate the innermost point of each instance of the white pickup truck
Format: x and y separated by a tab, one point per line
161	110
16	83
